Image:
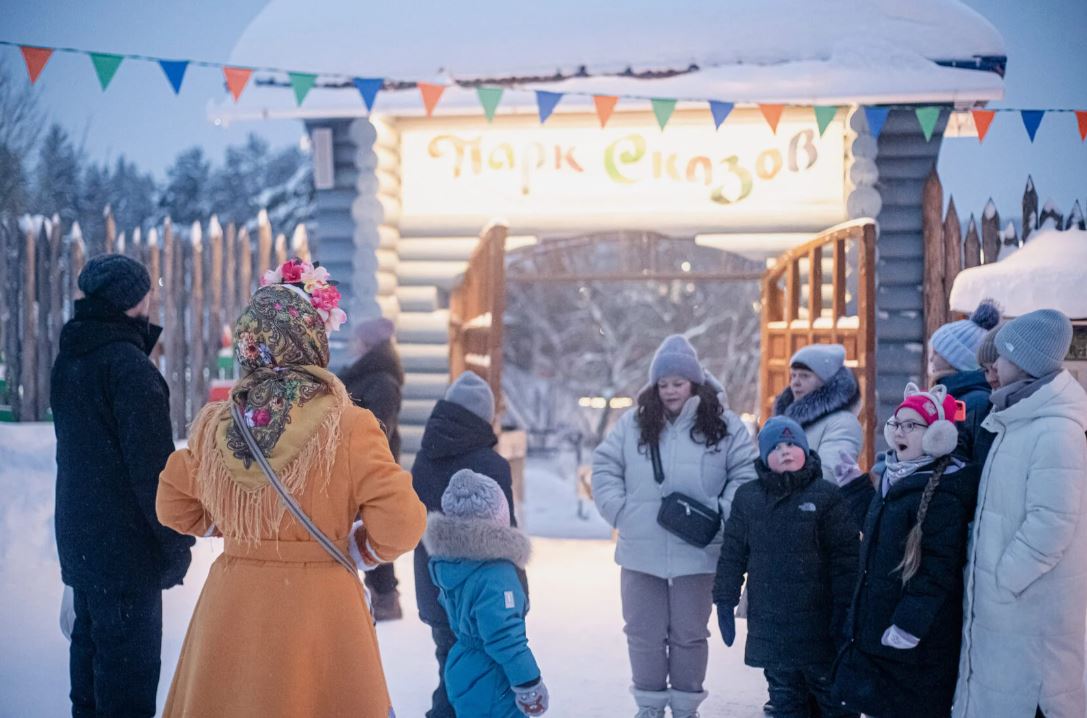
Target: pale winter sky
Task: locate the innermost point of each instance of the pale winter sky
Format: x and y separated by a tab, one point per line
141	118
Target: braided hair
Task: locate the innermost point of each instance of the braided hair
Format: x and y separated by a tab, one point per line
911	561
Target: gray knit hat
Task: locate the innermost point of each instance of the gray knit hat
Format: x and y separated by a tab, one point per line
1036	342
474	394
116	279
374	330
986	353
676	357
823	359
470	495
958	342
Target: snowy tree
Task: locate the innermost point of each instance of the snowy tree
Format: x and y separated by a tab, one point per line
596	338
132	195
57	176
186	198
20	128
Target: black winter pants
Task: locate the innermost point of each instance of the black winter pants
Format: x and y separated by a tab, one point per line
443	643
382	579
794	690
115	654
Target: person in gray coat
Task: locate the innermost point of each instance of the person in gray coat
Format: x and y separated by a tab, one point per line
822	397
706	453
1026	581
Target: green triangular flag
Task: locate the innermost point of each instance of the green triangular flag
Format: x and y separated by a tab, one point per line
489	98
663	110
927	116
302	83
105	66
823	115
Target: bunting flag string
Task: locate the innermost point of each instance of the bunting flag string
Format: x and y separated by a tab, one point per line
489	97
604	106
772	113
546	102
663	110
1031	120
175	72
237	78
35	58
824	114
982	120
720	112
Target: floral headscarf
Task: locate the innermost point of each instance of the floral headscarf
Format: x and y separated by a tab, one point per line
291	403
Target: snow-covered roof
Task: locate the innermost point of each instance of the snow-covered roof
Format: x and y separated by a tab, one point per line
835	51
1047	272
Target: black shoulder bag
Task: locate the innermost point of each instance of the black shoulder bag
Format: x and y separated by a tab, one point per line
679	514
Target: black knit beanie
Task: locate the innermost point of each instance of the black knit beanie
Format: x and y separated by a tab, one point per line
116	279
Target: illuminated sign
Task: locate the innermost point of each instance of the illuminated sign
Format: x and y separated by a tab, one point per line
628	175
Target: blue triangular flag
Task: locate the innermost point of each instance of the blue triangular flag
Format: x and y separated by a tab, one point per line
1031	120
876	116
546	102
720	111
368	87
175	72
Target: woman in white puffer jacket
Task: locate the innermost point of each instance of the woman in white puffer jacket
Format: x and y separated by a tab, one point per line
1026	580
706	453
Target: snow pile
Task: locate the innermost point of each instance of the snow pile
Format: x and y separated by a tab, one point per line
870	51
1046	272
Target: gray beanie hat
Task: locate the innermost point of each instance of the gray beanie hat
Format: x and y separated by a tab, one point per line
1036	342
676	357
116	279
374	330
823	359
470	495
474	394
986	353
958	342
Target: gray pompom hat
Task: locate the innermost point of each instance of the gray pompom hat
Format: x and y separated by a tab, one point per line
471	495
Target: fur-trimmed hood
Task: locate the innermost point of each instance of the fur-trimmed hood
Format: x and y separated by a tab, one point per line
840	392
447	537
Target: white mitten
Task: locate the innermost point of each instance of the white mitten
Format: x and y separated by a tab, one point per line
363	554
67	612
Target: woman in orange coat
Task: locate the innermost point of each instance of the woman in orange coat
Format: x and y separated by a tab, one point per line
281	629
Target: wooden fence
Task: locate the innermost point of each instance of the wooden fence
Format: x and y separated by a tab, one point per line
201	278
948	251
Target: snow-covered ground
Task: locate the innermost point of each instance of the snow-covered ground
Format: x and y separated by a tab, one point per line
575	625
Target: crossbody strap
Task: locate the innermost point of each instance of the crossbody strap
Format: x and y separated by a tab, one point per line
288	500
658	467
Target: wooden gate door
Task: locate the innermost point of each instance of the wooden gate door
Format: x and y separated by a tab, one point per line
802	305
476	306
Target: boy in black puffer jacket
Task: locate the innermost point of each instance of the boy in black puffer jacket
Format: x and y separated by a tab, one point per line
795	538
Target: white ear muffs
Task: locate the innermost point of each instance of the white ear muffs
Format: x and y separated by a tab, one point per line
940	438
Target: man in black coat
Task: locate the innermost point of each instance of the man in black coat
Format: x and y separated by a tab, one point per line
111	413
795	538
458	435
374	382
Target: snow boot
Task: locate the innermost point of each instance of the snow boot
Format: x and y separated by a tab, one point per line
651	704
684	704
387	606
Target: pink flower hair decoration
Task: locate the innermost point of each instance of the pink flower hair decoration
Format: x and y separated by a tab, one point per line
313	279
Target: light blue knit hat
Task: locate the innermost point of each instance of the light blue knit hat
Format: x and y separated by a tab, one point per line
823	359
676	357
474	394
1036	342
958	342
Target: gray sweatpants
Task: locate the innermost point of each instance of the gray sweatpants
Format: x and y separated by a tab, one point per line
666	627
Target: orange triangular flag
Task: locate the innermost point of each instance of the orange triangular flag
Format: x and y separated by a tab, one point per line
772	113
431	94
236	79
1081	118
35	57
604	106
982	120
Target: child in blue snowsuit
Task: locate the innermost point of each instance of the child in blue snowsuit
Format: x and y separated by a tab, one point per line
474	554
